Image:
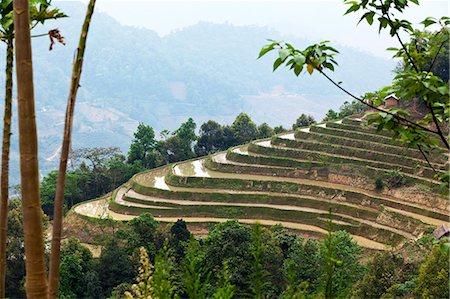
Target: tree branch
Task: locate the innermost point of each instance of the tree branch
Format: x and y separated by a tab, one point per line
426	158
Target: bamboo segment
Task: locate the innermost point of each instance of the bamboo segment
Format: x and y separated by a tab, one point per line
61	180
36	280
6	144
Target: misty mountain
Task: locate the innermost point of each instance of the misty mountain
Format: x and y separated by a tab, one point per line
206	71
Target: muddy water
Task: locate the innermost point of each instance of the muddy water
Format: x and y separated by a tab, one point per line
95	208
241	150
289	136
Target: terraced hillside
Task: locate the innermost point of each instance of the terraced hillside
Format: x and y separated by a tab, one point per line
295	179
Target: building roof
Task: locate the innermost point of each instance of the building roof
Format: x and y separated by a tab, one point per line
391	96
441	231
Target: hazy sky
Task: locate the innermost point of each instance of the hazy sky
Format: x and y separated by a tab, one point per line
314	20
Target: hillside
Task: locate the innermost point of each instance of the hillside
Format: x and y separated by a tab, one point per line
206	71
379	191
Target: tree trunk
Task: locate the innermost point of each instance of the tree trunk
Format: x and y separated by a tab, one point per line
67	138
4	180
36	279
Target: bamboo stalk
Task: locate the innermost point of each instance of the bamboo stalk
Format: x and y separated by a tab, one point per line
36	280
67	138
4	179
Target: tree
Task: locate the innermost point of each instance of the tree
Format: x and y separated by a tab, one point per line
144	227
229	243
303	121
37	15
15	253
144	280
143	147
225	289
36	280
258	276
210	139
72	193
433	279
415	81
331	115
339	257
279	129
179	236
195	279
163	277
244	129
114	267
303	265
351	108
179	147
65	148
265	131
384	270
78	277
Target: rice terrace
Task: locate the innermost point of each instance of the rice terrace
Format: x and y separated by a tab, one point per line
294	179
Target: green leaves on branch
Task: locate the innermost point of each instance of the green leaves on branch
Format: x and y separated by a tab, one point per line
315	57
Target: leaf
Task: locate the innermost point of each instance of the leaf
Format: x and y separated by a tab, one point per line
353	8
442	90
299	59
277	63
284	53
428	22
369	18
310	68
298	69
266	49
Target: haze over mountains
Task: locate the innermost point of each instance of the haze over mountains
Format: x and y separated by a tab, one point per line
206	71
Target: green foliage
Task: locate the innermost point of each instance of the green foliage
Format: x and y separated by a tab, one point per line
384	271
315	57
331	115
244	129
144	280
143	147
265	131
211	138
394	179
379	184
340	259
352	108
433	279
179	235
78	276
139	232
114	267
195	279
229	243
15	252
258	276
303	265
225	289
303	121
163	275
279	129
